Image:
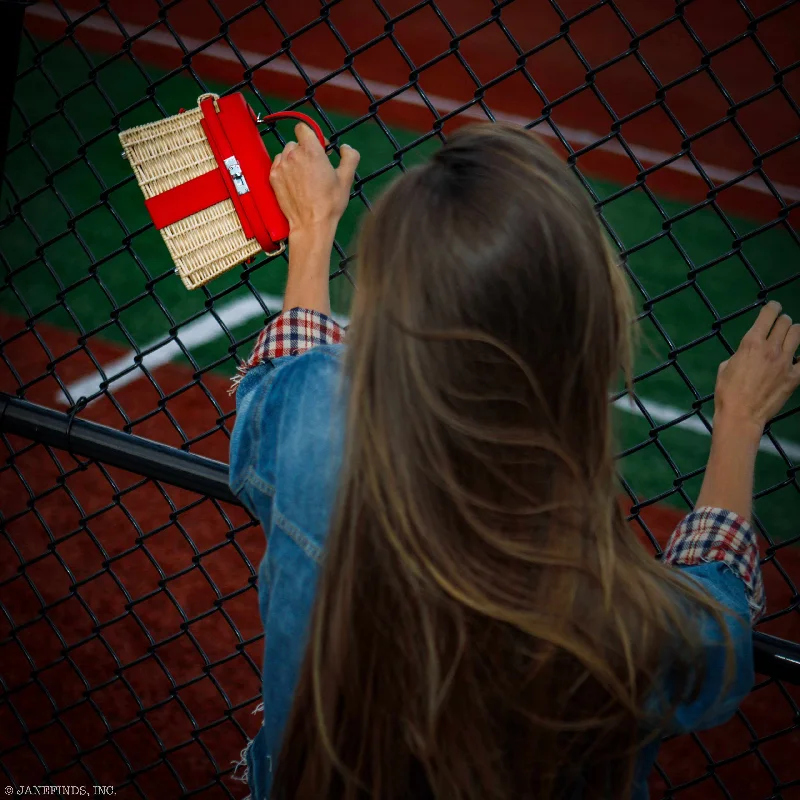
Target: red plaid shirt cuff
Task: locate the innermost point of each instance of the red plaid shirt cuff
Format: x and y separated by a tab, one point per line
713	534
290	334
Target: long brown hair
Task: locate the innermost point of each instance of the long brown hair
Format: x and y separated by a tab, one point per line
486	625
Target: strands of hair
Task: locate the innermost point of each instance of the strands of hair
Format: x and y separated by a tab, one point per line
485	626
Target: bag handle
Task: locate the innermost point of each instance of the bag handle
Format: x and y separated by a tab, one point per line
259	120
293	115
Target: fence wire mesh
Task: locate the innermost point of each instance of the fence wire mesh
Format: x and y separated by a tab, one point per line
130	647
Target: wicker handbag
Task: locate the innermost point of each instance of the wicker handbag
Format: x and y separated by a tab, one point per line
204	174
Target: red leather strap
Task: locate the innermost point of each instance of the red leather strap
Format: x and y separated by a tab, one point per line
274	219
294	115
188	198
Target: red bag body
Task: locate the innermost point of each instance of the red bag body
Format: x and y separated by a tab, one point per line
243	167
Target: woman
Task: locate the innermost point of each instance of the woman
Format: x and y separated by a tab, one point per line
453	604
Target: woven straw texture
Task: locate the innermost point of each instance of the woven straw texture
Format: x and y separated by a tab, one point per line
164	155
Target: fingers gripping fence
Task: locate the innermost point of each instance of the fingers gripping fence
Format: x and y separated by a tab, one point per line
130	646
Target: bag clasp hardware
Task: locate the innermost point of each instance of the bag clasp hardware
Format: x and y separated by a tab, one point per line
236	175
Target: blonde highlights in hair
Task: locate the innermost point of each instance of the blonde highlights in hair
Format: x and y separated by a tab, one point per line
486	624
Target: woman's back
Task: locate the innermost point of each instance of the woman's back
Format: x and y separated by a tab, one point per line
452	601
295	509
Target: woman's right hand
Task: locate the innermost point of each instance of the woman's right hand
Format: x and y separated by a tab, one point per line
311	193
313	196
755	383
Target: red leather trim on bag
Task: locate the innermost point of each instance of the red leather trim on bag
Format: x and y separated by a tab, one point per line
195	195
259	202
221	148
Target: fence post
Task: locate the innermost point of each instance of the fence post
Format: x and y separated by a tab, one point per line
11	16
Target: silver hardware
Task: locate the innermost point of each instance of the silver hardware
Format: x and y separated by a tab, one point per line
278	251
124	155
236	175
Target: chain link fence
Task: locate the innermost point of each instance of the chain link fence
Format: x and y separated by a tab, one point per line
130	645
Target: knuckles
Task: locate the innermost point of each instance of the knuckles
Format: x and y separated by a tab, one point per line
750	341
773	353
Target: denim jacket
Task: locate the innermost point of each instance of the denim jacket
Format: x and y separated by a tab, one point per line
286	452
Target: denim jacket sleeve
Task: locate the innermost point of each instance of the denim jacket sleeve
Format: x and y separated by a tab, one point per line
718	551
286	450
717	700
288	432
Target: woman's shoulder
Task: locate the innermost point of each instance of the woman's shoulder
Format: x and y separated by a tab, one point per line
308	394
289	434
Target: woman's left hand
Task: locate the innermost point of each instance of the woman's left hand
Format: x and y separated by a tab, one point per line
311	193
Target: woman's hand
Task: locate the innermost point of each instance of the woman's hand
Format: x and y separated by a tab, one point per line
313	196
311	193
752	387
754	384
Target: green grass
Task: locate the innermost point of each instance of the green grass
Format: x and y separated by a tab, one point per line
109	257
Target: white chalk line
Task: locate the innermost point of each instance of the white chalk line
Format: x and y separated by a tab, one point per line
205	329
444	105
663	414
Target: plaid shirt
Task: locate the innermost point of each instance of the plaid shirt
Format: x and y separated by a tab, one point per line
290	334
713	534
705	535
294	332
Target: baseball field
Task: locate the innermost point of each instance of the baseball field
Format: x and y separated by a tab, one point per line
91	308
